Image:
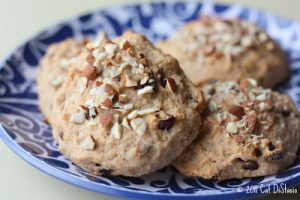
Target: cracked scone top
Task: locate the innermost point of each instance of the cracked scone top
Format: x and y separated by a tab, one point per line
53	71
247	131
212	49
125	109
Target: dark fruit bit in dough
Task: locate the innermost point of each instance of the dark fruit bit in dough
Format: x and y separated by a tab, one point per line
105	171
271	147
276	155
257	152
250	165
166	124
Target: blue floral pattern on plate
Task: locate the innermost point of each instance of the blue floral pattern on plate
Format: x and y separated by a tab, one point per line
24	131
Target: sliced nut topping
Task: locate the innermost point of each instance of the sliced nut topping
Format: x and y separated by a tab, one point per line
247	105
125	123
238	138
110	48
116	130
212	106
66	63
246	41
251	121
78	118
231	128
138	125
145	90
89	72
91	123
130	51
127	82
262	37
108	89
88	143
105	119
133	114
143	147
123	98
171	84
262	106
128	106
108	103
261	97
144	80
124	44
236	110
58	81
147	111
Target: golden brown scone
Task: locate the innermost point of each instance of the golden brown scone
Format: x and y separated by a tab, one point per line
211	49
126	109
53	70
247	131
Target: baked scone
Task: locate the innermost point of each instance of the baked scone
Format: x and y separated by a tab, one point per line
211	49
125	109
247	131
53	71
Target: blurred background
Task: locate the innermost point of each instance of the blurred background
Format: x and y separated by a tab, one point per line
21	19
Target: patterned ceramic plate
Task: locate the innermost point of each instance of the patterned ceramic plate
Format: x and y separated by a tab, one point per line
23	130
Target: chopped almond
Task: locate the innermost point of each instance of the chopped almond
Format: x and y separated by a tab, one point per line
89	72
98	83
108	89
107	103
116	131
90	59
88	143
251	121
131	52
124	44
123	80
105	119
122	98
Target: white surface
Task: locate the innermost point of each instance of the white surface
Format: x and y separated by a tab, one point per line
20	19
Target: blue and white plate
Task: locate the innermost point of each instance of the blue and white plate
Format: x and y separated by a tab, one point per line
24	131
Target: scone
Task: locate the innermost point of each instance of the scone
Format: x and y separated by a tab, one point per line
53	70
125	109
247	131
211	49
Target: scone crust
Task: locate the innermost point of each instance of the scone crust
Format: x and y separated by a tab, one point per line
53	70
247	132
211	49
94	144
